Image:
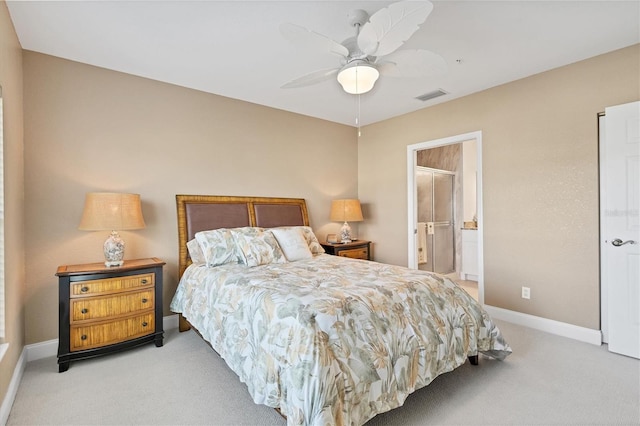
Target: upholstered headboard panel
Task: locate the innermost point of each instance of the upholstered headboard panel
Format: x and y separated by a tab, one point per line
270	215
203	212
205	216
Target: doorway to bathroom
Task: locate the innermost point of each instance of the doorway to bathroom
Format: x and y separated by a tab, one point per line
461	157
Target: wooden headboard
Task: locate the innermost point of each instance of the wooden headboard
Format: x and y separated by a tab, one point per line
203	212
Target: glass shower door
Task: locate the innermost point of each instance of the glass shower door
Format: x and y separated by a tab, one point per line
435	196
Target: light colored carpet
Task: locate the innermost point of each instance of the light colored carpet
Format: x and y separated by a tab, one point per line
469	286
547	380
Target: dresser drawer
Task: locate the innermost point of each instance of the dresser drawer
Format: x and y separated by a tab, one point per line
89	308
358	249
108	333
355	253
111	285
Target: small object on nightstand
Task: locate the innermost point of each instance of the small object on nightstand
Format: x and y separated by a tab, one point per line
332	238
359	249
108	309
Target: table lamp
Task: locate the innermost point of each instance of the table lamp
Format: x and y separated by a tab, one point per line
346	211
108	211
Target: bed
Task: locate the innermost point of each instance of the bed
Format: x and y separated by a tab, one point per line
323	339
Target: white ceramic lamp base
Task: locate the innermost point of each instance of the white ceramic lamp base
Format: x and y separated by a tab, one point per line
114	250
345	233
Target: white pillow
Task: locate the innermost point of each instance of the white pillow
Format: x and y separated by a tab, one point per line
195	252
257	246
312	241
293	243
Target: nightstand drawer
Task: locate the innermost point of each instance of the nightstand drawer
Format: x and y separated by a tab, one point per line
83	309
358	249
355	253
111	285
108	333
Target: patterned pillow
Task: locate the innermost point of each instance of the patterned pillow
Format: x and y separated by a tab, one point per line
293	243
218	247
257	246
312	241
195	252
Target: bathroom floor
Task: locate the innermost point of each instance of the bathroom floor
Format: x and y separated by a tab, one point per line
470	287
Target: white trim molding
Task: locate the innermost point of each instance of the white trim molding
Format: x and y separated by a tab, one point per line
4	347
40	350
563	329
12	390
170	322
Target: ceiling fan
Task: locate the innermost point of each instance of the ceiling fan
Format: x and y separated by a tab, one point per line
373	50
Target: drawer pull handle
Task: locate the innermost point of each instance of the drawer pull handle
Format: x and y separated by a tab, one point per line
84	310
144	281
145	300
84	289
144	323
83	337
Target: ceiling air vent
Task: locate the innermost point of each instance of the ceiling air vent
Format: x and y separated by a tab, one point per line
431	95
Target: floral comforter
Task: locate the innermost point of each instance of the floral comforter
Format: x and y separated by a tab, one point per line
332	340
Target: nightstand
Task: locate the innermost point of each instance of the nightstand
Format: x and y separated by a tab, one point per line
104	310
358	249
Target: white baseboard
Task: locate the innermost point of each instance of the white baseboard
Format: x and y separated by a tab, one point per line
563	329
170	322
12	390
50	347
468	277
36	351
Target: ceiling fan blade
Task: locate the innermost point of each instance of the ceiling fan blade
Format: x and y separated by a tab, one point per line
311	78
411	63
389	27
311	39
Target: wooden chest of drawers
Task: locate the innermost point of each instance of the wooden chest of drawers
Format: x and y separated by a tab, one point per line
358	249
104	310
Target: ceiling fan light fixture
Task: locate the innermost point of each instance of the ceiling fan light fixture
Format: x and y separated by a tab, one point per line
358	77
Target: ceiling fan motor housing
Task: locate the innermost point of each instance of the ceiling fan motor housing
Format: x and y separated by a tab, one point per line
354	51
357	18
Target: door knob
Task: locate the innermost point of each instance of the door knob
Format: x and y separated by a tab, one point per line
618	242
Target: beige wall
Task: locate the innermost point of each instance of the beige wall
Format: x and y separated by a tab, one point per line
540	177
90	129
11	82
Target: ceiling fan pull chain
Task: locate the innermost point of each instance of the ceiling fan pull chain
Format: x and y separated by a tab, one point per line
358	117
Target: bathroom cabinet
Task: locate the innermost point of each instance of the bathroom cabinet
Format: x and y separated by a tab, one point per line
469	270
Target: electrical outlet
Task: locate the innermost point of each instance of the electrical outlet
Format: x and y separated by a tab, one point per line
526	293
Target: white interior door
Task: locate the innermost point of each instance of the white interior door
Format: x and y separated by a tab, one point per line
620	226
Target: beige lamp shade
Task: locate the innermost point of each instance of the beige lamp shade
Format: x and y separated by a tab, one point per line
346	211
108	211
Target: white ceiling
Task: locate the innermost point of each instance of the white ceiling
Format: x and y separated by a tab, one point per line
235	49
